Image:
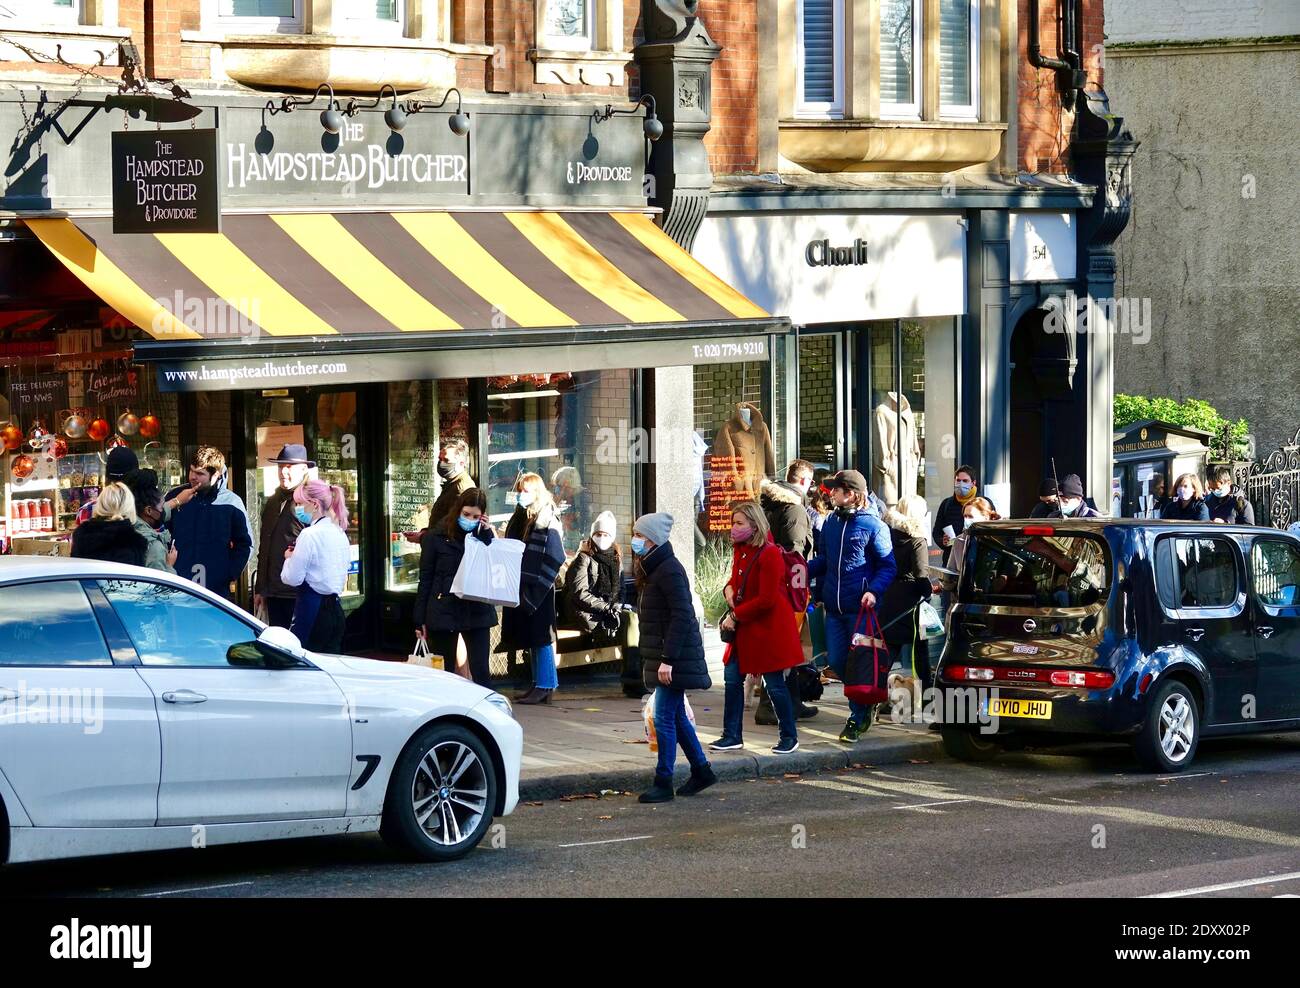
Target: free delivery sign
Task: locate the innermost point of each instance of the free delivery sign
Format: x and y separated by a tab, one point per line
166	181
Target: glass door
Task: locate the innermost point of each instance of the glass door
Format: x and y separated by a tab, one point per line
821	403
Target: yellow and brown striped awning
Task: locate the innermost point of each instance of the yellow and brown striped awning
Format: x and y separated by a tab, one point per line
354	274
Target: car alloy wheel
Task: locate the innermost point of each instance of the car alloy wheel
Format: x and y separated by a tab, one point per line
1177	727
449	793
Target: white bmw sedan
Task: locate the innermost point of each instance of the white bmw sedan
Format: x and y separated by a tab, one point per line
140	712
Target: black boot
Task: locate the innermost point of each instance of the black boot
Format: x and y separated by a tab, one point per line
660	792
701	778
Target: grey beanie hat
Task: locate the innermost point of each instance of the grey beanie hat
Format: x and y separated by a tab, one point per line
657	527
605	522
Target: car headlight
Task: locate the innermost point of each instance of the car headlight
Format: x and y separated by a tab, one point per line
501	703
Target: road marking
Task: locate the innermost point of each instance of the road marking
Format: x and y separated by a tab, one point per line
205	888
1205	827
615	840
841	787
921	806
1226	886
1175	778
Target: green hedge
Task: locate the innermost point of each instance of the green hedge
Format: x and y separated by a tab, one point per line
1192	413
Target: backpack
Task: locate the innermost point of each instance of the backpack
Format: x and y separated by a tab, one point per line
796	579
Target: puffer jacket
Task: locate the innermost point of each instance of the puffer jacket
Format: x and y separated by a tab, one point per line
1194	510
912	581
592	589
854	555
670	633
787	516
436	607
109	541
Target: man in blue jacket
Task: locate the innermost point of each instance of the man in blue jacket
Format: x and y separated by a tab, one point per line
851	571
211	533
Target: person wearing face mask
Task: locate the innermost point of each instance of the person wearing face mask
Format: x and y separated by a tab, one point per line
1047	494
280	528
1070	501
672	655
853	567
160	554
210	530
785	506
1227	506
765	637
593	587
1188	503
949	515
453	473
317	564
530	625
442	618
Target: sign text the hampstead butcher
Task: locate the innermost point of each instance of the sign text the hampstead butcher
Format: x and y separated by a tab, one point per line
165	181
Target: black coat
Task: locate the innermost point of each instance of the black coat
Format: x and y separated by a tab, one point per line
1233	509
279	529
592	590
950	513
912	582
110	542
787	516
1193	510
436	607
531	624
669	632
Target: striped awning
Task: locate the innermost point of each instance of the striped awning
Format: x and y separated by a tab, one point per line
355	274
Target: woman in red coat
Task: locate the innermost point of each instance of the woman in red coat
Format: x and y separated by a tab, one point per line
766	639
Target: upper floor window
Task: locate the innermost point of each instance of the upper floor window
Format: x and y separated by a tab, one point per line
959	31
569	25
901	45
377	15
43	11
819	66
261	16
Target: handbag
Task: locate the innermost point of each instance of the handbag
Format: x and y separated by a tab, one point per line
490	574
729	635
421	656
866	673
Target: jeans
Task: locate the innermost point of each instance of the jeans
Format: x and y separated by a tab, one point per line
673	728
280	611
839	634
477	645
545	676
733	708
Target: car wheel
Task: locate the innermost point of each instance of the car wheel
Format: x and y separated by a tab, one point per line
441	795
965	745
1168	740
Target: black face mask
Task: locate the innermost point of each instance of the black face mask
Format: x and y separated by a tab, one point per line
447	469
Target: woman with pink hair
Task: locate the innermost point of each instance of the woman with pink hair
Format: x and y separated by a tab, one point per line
317	564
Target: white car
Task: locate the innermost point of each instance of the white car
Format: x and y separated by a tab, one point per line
140	712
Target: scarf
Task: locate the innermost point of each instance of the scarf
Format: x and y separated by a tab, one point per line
963	501
606	585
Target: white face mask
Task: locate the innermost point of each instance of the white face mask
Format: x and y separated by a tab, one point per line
602	542
526	499
746	415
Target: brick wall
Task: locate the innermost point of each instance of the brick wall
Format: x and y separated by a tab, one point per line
1044	125
733	140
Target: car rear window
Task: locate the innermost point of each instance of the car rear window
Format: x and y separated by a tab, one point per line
1035	570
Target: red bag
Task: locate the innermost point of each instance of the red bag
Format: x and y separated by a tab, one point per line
866	672
796	580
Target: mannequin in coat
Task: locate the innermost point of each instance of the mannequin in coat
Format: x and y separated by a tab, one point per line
894	421
745	437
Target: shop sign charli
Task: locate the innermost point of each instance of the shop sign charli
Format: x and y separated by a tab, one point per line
165	181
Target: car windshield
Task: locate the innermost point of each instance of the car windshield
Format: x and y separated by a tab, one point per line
1033	570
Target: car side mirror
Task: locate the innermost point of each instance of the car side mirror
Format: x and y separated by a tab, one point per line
260	655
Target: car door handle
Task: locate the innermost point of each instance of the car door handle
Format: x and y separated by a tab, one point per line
1265	632
183	696
1195	634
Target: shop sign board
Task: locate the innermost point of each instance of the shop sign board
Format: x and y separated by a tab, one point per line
1042	246
166	181
820	267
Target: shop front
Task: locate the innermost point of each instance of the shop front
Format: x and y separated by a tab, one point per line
372	295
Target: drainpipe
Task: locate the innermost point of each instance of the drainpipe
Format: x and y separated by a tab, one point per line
1068	69
1036	56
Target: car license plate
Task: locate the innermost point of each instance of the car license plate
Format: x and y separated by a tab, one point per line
1033	709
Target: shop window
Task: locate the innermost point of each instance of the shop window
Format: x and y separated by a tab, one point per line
959	29
819	66
421	416
577	431
912	423
569	25
900	62
818	401
732	416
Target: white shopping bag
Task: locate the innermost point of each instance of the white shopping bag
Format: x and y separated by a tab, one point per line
929	620
490	573
421	656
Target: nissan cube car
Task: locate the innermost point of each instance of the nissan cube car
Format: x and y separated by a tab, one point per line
1159	633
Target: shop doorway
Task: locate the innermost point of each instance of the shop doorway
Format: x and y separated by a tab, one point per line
1042	396
338	427
822	404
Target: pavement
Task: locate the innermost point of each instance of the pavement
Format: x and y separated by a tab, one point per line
592	738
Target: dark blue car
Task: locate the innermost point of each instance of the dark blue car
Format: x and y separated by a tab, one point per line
1157	632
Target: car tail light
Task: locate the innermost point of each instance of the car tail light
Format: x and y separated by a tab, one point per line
1084	679
977	673
1015	675
1039	530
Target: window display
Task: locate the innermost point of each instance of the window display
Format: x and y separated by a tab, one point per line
731	415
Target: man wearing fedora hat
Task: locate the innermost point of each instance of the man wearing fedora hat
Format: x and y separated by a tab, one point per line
279	530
